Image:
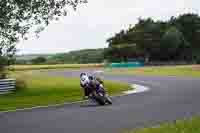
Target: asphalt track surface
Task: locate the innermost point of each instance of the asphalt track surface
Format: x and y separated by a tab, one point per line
169	98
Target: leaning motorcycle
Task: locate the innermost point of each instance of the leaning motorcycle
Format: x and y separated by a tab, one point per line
100	96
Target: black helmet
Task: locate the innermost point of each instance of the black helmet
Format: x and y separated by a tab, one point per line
82	74
91	77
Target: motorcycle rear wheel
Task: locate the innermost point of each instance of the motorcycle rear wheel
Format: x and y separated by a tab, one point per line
108	100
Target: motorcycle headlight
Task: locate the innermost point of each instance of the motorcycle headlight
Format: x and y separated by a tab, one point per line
101	85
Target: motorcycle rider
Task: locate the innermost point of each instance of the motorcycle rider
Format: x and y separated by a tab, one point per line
84	83
89	83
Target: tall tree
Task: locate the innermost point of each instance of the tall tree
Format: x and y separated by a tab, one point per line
172	42
158	39
18	16
39	60
189	25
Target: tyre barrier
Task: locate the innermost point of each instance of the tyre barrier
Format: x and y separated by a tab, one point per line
7	85
126	65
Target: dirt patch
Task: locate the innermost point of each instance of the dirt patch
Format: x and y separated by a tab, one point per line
196	67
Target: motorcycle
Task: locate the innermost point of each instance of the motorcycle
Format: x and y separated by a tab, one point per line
100	96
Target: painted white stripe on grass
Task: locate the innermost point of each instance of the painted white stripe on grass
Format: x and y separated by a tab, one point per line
137	89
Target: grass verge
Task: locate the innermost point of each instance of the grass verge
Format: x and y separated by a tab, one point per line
184	126
37	90
187	71
58	66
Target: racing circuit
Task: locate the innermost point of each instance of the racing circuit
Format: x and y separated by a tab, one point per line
168	99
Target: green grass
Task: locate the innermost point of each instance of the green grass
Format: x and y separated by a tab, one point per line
184	126
37	89
187	71
58	66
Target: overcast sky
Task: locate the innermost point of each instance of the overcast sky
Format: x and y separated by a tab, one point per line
93	23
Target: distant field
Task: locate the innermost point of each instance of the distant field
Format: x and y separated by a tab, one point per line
184	126
37	89
187	71
58	66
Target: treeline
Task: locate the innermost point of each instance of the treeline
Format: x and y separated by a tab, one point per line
80	57
73	57
177	39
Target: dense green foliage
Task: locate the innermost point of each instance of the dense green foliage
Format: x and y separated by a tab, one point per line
171	44
17	17
176	39
39	60
3	62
